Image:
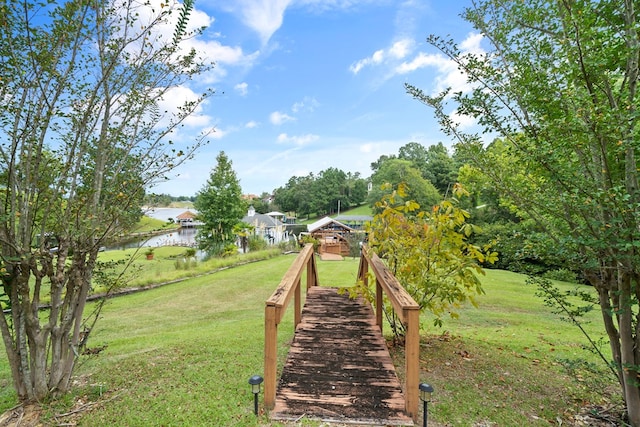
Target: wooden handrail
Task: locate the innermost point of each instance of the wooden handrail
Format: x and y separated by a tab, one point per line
409	312
275	308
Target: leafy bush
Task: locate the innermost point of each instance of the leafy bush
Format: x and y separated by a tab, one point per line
288	245
306	238
230	249
257	243
521	248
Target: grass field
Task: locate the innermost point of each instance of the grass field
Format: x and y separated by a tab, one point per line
181	355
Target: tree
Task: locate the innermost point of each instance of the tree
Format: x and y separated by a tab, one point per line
559	85
395	171
220	207
321	194
434	163
429	252
81	136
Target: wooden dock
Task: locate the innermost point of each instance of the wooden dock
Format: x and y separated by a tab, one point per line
338	368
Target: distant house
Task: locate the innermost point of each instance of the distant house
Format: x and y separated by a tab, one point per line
268	226
332	235
187	219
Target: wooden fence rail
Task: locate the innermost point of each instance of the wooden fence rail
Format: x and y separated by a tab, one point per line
275	308
409	313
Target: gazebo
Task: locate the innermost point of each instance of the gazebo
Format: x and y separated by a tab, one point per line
187	219
332	236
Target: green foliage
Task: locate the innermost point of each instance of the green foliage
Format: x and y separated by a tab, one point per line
395	171
257	243
355	240
83	136
429	251
521	247
324	194
561	275
307	238
230	249
288	245
181	26
220	207
185	262
434	163
558	84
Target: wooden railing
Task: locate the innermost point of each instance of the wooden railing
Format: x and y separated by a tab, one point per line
274	311
409	313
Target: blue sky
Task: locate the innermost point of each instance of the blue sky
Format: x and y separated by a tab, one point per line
304	85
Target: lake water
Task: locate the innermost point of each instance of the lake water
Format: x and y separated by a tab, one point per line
181	237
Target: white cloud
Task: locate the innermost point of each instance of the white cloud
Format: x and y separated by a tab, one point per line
472	44
308	104
277	118
175	98
423	60
251	124
299	140
465	122
367	148
242	88
397	51
262	16
401	48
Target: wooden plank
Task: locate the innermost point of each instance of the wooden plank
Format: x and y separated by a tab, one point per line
270	356
338	367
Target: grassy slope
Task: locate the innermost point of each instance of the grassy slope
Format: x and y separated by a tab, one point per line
182	354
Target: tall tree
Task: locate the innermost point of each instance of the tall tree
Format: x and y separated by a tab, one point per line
395	171
434	163
559	85
81	136
220	206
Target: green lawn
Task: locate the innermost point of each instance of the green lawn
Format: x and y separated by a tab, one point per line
181	355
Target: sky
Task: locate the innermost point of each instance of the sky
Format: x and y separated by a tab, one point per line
305	85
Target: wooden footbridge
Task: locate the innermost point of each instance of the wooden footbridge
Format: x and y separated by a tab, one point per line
338	368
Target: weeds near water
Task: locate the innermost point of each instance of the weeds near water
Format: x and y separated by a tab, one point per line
185	263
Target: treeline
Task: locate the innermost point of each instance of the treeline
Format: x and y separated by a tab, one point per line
326	193
430	174
162	200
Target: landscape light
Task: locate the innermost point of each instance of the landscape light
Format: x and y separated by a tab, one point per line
425	396
255	382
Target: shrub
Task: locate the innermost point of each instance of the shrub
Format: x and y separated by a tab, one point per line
230	249
306	238
288	245
257	243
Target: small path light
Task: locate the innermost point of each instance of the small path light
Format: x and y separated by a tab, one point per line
425	396
255	382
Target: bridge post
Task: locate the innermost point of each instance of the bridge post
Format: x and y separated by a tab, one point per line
412	361
297	305
379	307
312	272
270	356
